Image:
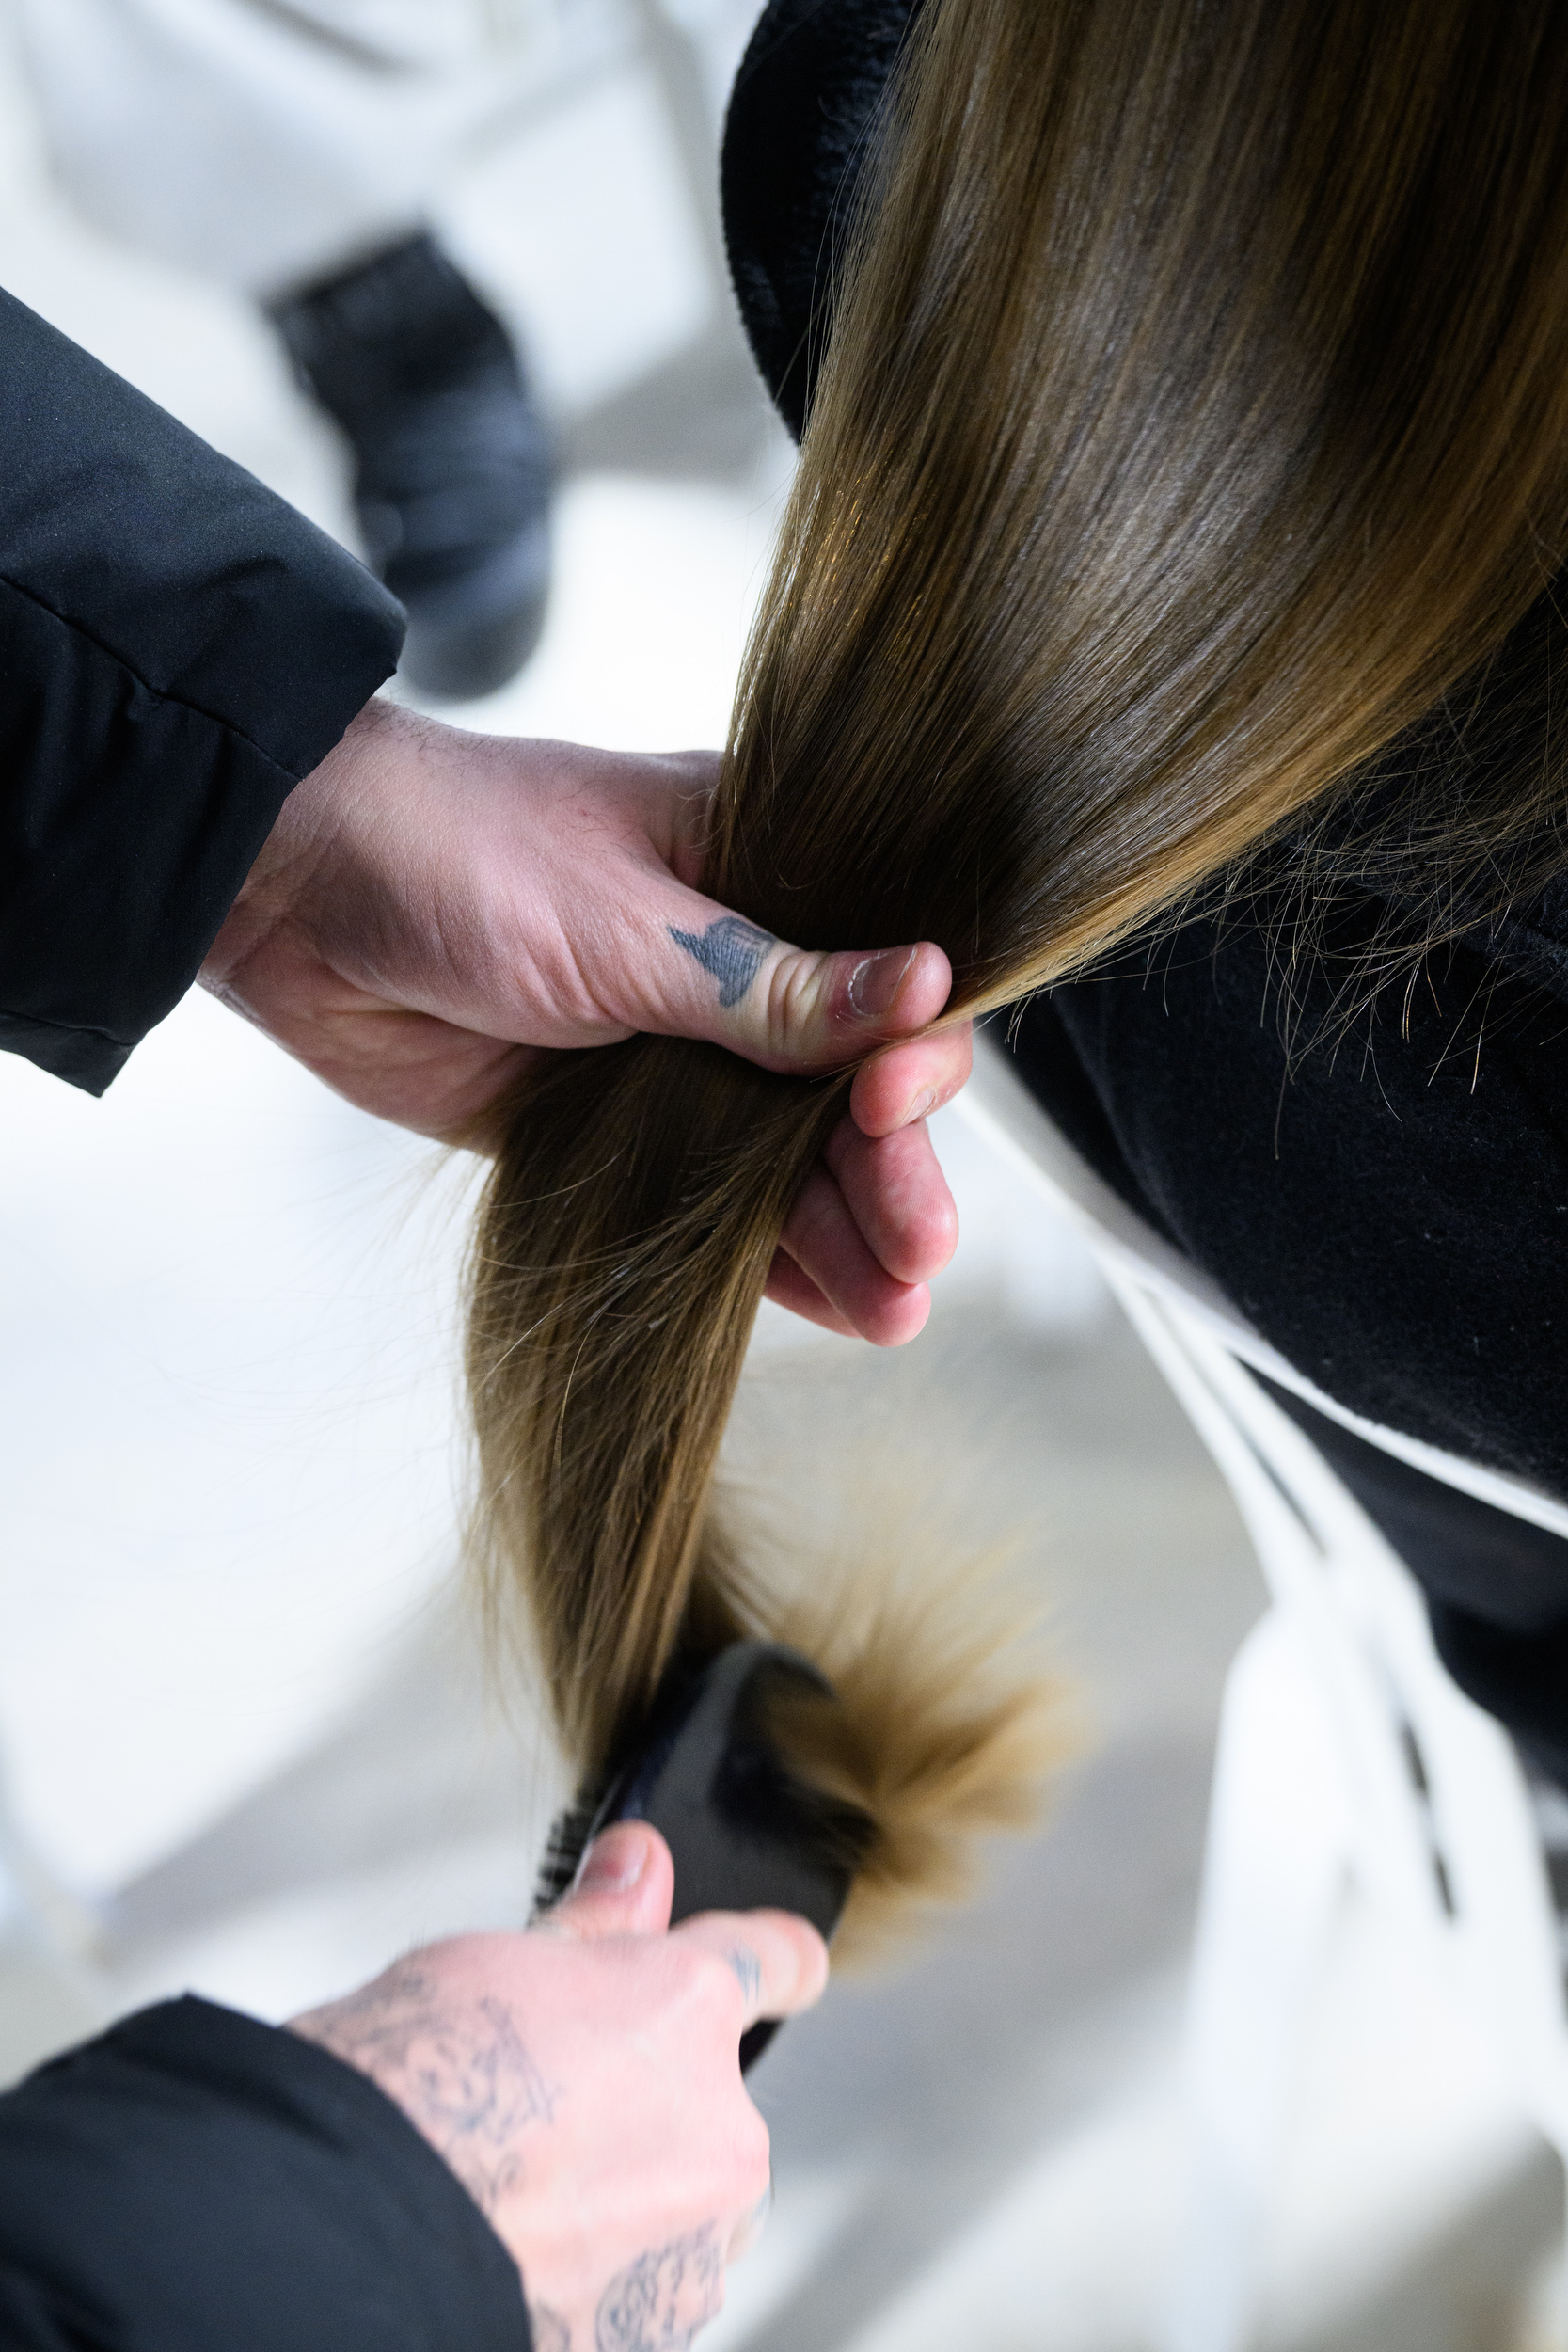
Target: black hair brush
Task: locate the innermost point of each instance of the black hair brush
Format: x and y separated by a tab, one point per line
746	1831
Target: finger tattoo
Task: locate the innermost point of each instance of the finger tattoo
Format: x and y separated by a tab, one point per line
731	949
748	1969
659	2304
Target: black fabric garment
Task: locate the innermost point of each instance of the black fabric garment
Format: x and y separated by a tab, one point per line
1352	1211
177	649
1389	1206
1391	1212
196	2181
1511	1652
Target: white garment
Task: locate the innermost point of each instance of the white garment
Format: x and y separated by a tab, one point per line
262	142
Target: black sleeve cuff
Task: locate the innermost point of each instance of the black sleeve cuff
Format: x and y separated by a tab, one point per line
178	647
195	2179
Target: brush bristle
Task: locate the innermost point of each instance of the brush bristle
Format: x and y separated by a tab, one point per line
564	1850
950	1720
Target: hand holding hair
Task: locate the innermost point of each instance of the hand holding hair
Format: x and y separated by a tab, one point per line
1185	483
582	2080
435	909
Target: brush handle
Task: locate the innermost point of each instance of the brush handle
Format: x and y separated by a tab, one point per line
744	1833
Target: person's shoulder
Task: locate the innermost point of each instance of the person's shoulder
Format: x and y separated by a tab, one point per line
811	37
802	121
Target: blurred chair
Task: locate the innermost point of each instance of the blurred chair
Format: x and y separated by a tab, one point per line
1346	1754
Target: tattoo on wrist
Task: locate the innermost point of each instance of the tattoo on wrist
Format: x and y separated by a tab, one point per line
659	2304
731	949
459	2070
549	2331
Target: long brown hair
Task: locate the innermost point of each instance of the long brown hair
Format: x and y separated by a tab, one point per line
1193	425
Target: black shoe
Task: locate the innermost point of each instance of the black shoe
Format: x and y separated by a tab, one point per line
453	475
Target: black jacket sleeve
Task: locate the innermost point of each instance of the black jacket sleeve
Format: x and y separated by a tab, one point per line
196	2181
178	647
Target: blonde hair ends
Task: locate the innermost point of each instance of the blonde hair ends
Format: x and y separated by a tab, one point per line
1195	419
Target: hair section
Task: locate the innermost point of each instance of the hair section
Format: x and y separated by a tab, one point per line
1195	421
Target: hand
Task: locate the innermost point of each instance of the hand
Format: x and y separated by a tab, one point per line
583	2082
434	908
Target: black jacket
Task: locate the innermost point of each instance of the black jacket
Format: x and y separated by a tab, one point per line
178	647
1393	1215
195	2182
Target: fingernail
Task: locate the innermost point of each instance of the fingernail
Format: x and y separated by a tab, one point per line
612	1864
874	984
921	1105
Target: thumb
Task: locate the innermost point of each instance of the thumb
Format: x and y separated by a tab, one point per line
625	1887
724	978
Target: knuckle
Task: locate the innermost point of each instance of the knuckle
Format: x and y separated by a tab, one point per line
847	1150
789	1001
813	1217
777	1007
